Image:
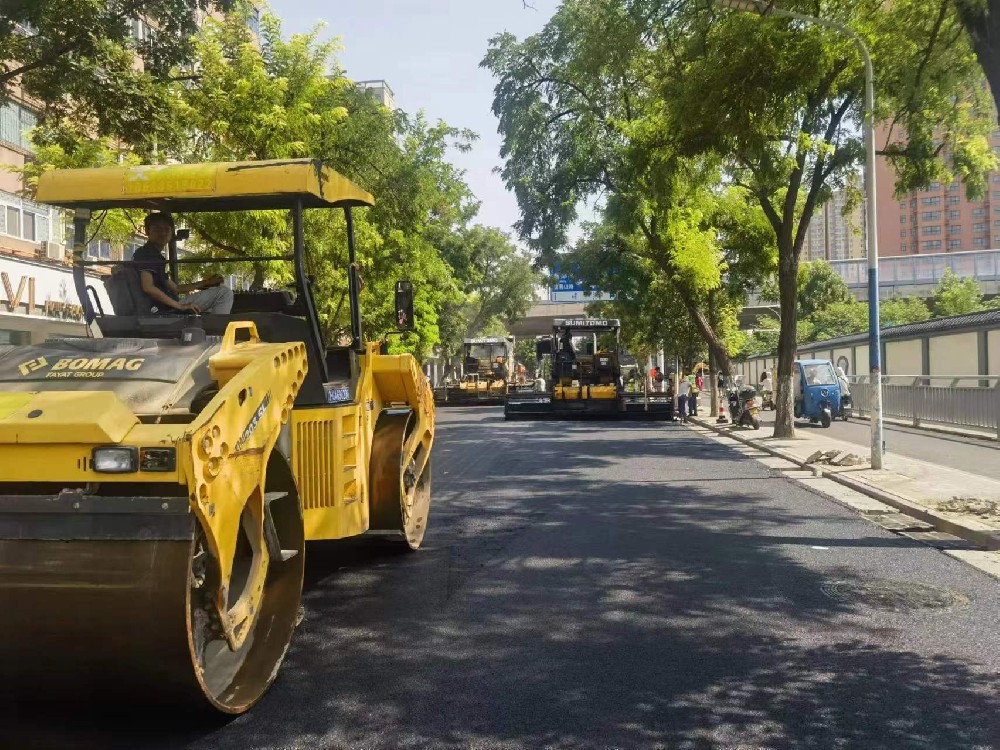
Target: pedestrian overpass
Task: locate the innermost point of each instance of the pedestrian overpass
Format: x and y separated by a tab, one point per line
901	276
539	318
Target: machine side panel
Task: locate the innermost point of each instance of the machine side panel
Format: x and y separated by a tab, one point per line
327	458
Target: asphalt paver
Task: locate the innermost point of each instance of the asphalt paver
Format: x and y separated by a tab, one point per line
611	585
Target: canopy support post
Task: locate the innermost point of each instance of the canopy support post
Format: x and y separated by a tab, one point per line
357	343
81	219
305	293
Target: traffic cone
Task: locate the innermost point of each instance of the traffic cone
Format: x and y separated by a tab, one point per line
722	414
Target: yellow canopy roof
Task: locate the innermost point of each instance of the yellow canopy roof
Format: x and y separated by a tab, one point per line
225	186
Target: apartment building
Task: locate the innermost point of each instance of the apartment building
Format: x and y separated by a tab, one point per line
835	233
380	91
940	219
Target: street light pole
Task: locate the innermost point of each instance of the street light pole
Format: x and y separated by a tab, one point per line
871	220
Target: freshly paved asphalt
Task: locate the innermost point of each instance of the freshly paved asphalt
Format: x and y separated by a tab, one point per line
971	454
613	586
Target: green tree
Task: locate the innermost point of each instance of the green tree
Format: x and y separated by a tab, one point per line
788	123
838	319
956	295
580	120
497	283
276	99
903	310
819	287
77	58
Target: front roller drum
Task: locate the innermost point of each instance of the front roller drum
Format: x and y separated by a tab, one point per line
126	613
400	498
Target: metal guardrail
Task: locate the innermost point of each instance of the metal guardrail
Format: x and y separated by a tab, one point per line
971	402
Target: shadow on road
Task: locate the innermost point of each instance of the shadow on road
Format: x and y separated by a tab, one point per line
568	597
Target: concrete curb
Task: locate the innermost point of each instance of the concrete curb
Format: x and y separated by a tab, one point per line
986	538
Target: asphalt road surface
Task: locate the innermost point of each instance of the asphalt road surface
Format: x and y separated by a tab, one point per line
610	585
974	455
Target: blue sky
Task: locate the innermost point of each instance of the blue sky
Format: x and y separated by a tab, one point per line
429	52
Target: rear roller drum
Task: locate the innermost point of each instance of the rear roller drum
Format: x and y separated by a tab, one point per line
400	498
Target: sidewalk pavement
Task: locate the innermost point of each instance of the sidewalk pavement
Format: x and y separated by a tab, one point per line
950	501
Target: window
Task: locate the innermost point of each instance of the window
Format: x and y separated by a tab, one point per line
902	219
954	244
953	187
902	204
913	202
131	246
141	31
13	227
953	199
14	337
932	200
931	244
902	249
979	242
253	20
930	215
15	122
935	229
99	250
996	179
980	227
955	229
979	212
996	195
935	185
954	214
902	232
23	219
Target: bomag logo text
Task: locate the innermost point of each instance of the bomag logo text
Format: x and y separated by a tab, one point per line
93	367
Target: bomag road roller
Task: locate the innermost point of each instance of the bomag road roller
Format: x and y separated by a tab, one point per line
488	372
586	378
159	479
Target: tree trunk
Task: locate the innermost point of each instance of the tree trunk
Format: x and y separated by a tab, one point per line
983	25
788	275
715	347
713	320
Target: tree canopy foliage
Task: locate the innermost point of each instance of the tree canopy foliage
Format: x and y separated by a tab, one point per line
74	57
651	109
269	96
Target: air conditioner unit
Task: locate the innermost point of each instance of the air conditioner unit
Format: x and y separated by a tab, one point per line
52	250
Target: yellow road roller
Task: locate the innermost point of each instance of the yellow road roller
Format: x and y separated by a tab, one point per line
159	479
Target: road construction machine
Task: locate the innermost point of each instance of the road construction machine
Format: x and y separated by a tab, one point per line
586	378
159	479
488	374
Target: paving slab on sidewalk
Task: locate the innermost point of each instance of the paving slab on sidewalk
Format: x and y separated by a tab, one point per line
953	501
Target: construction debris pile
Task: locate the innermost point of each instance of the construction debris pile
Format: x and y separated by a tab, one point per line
836	458
972	506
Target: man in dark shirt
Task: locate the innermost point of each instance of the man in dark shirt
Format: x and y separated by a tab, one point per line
164	295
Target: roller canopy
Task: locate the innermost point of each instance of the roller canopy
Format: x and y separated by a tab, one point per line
225	186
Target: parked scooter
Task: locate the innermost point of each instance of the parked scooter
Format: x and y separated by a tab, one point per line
743	406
